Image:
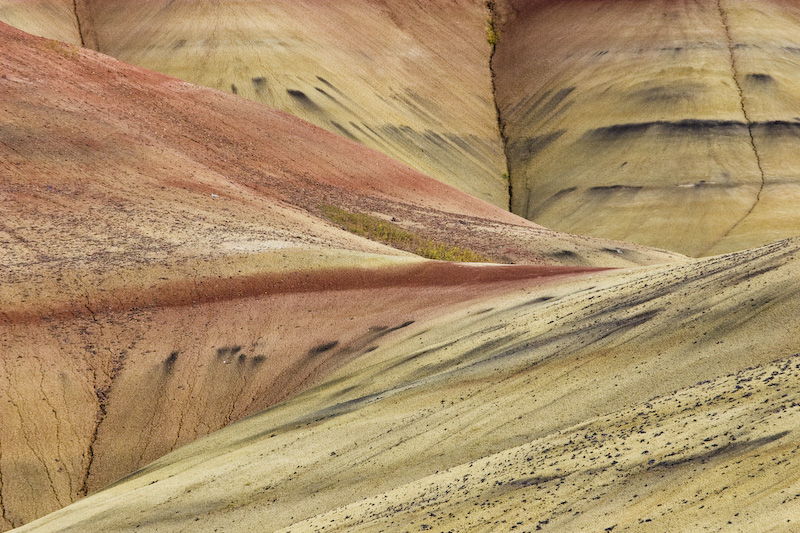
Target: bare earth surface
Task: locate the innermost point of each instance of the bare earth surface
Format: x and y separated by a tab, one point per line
667	123
167	267
189	339
395	76
649	399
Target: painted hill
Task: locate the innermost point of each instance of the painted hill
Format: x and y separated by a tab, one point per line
335	64
661	398
175	258
217	315
664	123
669	124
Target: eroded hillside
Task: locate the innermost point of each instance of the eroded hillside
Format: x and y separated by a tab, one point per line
664	123
408	79
669	124
163	274
215	313
634	400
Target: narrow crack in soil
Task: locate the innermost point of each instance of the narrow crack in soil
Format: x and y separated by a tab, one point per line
493	36
735	75
78	21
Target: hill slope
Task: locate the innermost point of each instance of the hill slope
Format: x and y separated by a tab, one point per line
335	64
175	258
669	124
664	123
634	400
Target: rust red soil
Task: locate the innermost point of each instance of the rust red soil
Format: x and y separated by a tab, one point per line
431	274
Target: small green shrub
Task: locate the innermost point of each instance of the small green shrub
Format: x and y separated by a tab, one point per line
385	232
492	32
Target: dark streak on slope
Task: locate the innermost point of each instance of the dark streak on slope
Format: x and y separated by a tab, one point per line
726	449
634	130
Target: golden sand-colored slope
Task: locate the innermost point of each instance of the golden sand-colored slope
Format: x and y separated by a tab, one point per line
666	123
651	399
167	265
409	79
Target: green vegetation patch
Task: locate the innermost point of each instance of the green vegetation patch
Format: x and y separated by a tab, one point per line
492	32
385	232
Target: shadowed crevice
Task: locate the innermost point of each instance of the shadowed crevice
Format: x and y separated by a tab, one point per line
3	518
493	24
83	20
78	22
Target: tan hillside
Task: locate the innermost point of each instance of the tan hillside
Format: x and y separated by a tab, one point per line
672	124
54	19
643	400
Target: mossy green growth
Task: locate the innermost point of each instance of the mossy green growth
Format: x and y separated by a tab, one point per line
385	232
492	32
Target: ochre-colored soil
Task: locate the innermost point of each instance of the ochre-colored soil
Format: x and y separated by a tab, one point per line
167	268
671	124
651	399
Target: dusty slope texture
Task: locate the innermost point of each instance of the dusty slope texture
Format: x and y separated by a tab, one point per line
165	269
543	405
695	460
87	399
664	123
105	166
409	79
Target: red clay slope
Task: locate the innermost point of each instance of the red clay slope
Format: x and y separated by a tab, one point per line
410	79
